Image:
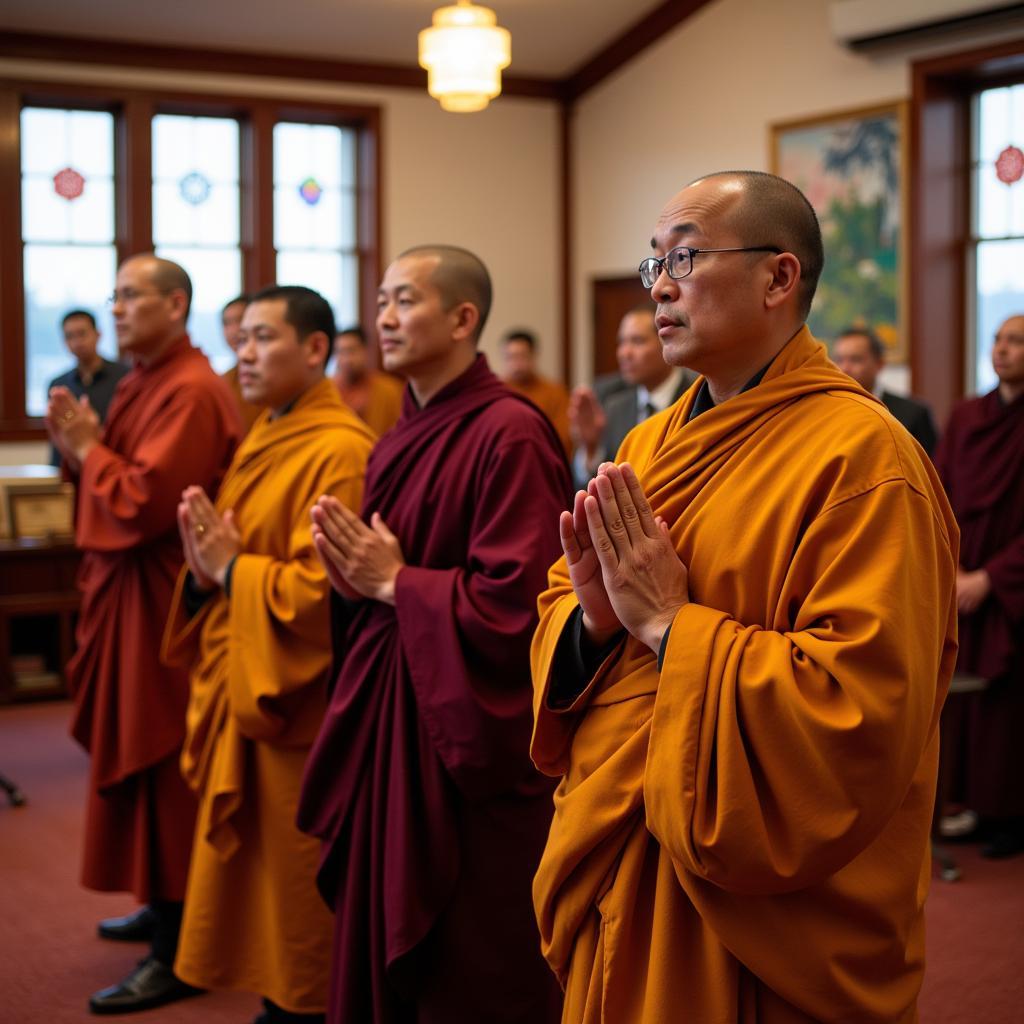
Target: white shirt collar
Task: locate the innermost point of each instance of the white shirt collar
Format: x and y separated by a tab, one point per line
663	395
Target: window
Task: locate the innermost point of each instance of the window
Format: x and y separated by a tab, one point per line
242	192
997	231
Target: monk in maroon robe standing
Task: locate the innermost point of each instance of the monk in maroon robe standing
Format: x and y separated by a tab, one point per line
420	784
981	462
172	422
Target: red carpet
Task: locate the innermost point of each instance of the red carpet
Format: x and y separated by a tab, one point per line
51	959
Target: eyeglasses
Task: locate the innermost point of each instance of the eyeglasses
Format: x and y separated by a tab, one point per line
130	295
678	263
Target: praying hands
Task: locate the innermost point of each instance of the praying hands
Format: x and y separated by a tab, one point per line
73	426
622	565
210	541
361	561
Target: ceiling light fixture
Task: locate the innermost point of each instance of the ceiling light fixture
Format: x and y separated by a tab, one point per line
464	51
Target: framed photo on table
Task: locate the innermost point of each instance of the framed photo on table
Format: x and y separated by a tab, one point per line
41	509
852	166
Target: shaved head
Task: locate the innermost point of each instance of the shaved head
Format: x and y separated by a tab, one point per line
772	211
459	276
166	276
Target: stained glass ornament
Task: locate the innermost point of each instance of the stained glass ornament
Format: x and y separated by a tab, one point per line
311	191
1010	165
194	188
68	184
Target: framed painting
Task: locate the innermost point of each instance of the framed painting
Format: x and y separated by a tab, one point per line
852	166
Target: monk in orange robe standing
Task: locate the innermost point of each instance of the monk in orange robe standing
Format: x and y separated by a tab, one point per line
172	422
519	352
231	322
374	396
741	661
251	619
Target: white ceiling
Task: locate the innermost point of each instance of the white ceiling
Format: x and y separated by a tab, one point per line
550	38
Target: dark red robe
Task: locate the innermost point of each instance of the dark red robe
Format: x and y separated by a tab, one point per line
420	782
981	462
170	424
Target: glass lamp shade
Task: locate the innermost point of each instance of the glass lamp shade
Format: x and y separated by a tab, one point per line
464	51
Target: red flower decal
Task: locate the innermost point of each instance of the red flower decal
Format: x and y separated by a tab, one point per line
68	183
1010	165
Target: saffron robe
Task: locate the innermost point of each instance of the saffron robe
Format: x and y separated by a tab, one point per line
249	412
420	782
253	918
553	400
981	462
171	424
376	399
743	835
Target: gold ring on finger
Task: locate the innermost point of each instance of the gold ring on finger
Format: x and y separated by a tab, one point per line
200	529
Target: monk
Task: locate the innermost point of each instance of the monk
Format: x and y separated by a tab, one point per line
231	324
519	353
250	618
374	396
741	661
172	422
419	784
981	462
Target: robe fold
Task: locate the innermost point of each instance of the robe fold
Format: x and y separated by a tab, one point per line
171	424
981	462
253	919
743	836
553	400
420	783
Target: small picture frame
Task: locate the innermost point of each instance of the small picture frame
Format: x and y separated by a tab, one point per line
41	510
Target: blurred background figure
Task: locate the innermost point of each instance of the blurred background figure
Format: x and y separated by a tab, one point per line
92	376
519	364
231	322
375	397
859	352
651	385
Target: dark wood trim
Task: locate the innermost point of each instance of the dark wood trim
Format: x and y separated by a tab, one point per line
649	29
78	50
259	261
370	226
134	161
12	291
940	123
565	197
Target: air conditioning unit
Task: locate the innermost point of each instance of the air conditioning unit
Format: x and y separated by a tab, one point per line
863	24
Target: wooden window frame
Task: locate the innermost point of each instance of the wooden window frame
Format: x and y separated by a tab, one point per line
134	110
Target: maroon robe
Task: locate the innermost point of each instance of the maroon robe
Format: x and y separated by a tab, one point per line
981	462
420	783
170	424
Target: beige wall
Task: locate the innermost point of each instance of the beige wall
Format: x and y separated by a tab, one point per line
702	99
485	181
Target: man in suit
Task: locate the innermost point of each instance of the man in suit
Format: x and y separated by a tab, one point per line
651	385
859	352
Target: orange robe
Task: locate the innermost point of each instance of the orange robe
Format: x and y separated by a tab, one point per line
171	424
376	399
254	920
743	836
250	413
553	400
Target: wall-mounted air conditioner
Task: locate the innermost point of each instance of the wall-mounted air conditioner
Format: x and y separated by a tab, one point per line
863	24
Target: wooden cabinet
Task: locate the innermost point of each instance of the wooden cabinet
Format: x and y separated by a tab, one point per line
38	605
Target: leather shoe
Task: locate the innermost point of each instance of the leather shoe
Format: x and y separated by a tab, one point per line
150	984
137	927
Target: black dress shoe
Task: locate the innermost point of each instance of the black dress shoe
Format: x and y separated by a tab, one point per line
1003	844
150	984
137	927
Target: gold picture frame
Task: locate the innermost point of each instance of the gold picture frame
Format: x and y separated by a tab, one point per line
41	510
853	167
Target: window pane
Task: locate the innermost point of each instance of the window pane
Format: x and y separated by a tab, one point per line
1000	280
216	279
195	181
59	278
333	275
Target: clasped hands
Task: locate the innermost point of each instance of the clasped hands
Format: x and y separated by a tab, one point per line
621	562
73	425
361	561
210	540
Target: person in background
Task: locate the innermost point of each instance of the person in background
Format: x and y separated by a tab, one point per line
231	322
651	386
519	354
859	352
373	396
92	377
981	462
